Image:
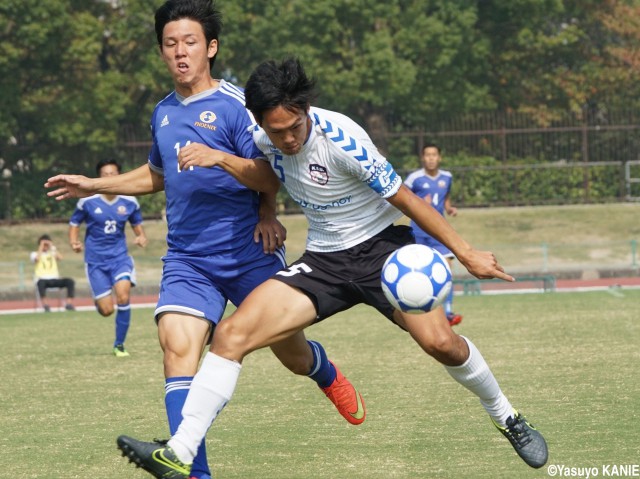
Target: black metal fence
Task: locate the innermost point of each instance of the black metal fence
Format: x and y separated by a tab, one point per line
515	159
496	159
592	135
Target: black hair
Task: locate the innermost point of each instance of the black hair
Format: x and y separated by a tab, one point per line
202	11
109	161
43	238
285	84
431	144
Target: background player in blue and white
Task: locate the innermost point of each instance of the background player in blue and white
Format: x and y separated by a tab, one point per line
351	196
214	222
433	185
108	265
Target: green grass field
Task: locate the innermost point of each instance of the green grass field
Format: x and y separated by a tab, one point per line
569	361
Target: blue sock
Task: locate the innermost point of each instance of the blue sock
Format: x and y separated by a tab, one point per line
322	371
123	318
176	390
448	304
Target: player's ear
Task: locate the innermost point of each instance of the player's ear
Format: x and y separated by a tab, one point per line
212	50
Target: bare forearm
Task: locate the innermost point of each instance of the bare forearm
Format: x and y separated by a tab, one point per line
481	264
74	239
73	234
268	205
430	221
255	174
140	181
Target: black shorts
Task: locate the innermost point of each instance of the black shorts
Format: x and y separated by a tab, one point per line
338	280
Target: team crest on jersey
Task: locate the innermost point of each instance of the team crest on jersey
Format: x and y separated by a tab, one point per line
442	183
319	174
122	210
206	118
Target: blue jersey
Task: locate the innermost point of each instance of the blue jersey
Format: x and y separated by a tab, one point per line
208	211
437	188
105	237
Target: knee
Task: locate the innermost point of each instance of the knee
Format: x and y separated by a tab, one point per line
441	344
105	310
181	352
122	298
231	341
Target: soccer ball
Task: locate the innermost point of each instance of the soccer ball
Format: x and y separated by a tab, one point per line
416	279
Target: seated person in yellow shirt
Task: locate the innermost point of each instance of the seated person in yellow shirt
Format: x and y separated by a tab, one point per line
47	275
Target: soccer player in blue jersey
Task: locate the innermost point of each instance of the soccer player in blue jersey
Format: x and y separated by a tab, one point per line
351	197
433	185
109	267
214	222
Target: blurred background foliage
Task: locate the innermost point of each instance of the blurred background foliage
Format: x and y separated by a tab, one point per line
79	80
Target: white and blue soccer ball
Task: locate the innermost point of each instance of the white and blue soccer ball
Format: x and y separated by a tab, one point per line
416	279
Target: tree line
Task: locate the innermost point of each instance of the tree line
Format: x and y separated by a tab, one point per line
80	77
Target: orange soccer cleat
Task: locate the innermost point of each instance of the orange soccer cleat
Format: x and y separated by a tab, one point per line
454	318
346	398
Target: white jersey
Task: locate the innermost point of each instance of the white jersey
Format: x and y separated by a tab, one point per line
339	179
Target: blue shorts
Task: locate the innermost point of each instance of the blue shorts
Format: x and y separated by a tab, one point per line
102	276
435	244
201	286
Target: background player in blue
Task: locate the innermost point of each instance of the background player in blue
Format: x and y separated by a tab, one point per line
107	262
433	185
214	222
351	197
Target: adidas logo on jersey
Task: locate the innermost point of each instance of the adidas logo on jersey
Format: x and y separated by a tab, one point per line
98	211
165	121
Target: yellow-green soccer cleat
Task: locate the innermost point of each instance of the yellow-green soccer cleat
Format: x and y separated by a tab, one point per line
154	457
119	351
525	439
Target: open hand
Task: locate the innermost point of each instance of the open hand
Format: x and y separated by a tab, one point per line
69	186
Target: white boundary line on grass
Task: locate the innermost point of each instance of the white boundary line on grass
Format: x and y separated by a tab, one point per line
62	310
613	290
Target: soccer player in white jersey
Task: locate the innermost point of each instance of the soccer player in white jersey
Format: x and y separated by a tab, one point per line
433	185
351	196
214	222
107	261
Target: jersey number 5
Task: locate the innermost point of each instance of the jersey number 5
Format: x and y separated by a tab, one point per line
295	269
276	166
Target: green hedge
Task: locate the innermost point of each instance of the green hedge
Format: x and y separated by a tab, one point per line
479	181
485	181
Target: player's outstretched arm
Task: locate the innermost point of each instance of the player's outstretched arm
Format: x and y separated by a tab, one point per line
253	173
140	181
481	264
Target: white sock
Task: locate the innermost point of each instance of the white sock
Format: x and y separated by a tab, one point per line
211	389
476	376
